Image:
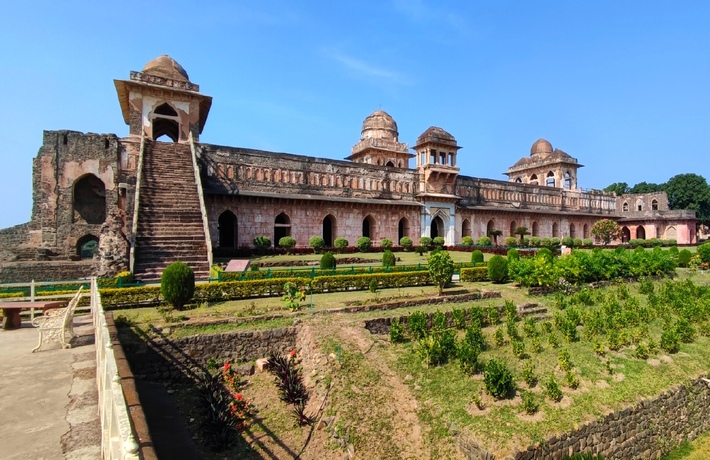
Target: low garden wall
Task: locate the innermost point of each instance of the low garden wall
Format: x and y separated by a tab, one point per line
643	431
26	271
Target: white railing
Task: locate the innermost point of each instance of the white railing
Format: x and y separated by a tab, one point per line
201	197
48	295
117	438
136	203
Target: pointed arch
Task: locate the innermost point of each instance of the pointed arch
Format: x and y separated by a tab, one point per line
535	229
513	227
465	228
625	234
329	230
555	230
89	200
640	232
437	227
282	227
550	179
533	179
567	180
625	207
572	231
227	230
585	231
490	226
654	204
403	228
368	227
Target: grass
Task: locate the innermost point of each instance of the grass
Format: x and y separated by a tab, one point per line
696	450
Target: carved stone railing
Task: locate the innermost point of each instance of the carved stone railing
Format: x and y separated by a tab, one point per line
117	437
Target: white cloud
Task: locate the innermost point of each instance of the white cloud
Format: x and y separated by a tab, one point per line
365	69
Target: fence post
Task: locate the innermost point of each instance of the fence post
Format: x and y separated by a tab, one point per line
32	298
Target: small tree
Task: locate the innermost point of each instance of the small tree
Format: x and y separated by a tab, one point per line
288	243
388	259
497	269
438	242
327	261
177	284
606	230
477	256
467	241
340	244
317	243
704	252
483	241
441	269
363	244
386	243
425	242
293	296
495	234
406	243
522	232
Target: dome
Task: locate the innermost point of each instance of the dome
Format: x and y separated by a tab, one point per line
541	147
380	125
166	67
437	135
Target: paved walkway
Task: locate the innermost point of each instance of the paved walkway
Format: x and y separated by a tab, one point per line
48	399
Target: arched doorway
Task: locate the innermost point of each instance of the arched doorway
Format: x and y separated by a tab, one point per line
535	229
513	228
227	226
466	228
165	123
437	227
282	227
403	229
87	246
328	230
490	227
555	230
89	200
368	227
585	231
572	231
640	232
625	234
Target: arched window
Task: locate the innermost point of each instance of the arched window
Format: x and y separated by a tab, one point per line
165	123
640	232
550	181
518	180
533	179
390	164
513	228
368	227
403	228
490	227
572	231
625	207
535	229
227	230
282	227
89	200
555	230
639	204
466	228
87	246
585	231
654	204
568	181
329	230
437	227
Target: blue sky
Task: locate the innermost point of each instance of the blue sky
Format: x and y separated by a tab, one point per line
620	85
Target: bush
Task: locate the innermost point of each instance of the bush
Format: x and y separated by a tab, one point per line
474	274
477	257
704	252
317	243
396	331
535	241
498	379
484	241
287	243
497	269
467	241
528	374
425	242
588	242
670	341
416	325
544	242
363	244
546	253
511	241
441	269
530	404
578	242
327	261
386	243
262	243
177	284
438	242
513	254
568	241
552	389
406	243
684	256
388	259
340	244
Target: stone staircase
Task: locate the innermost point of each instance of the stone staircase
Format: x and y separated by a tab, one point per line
170	225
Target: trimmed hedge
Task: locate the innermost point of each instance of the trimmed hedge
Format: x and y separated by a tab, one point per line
474	274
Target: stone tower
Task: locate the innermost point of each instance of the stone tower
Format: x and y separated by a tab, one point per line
545	166
379	143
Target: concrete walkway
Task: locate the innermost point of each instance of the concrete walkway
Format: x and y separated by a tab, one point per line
48	399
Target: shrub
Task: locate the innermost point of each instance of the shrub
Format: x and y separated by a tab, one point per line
468	357
530	404
477	256
386	243
363	244
437	348
578	242
416	324
519	349
544	242
552	389
484	241
535	241
388	259
288	243
327	261
262	243
588	242
571	380
396	331
498	337
568	241
554	242
420	250
467	241
177	284
406	243
438	242
340	244
528	374
497	269
669	340
373	286
317	243
704	252
459	318
441	269
684	256
511	241
546	253
513	254
425	242
498	379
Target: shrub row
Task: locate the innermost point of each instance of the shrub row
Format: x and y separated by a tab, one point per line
474	274
652	242
311	272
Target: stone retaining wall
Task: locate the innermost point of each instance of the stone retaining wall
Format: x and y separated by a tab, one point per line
644	431
163	358
26	271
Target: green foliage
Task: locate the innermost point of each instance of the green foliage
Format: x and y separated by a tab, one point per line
689	191
317	243
528	374
425	242
396	331
568	241
474	274
498	269
588	242
530	404
553	340
571	380
406	243
177	284
468	357
535	241
641	351
373	286
511	241
563	359
513	254
438	242
618	188
518	348
684	330
293	296
327	261
262	243
363	244
288	243
441	269
341	243
684	256
477	256
386	243
578	243
498	337
416	325
459	318
388	259
467	241
530	327
437	348
670	341
498	379
703	252
483	241
552	389
606	230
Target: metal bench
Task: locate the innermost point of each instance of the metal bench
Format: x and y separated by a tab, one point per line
56	325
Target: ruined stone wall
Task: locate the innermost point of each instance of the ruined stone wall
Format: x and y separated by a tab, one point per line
65	158
643	431
26	271
176	358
